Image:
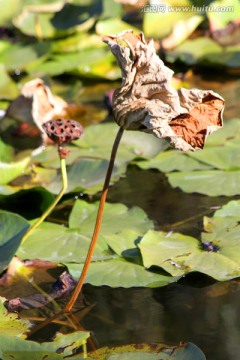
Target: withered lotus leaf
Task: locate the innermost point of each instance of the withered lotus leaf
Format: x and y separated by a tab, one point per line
147	100
36	104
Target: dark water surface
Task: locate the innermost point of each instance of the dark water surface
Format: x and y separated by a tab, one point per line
208	316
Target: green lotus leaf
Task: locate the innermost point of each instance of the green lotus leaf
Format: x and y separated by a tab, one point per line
59	244
222	157
111	9
17	56
6	152
79	41
92	62
71	244
187	351
180	254
220	19
12	229
113	26
158	24
76	16
223	230
208	182
49	157
120	273
56	18
9	171
9	167
10	323
204	51
13	347
9	9
117	217
35	24
86	175
8	88
231	209
5	190
98	141
229	134
172	160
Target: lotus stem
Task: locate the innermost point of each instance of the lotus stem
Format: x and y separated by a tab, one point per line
98	223
57	199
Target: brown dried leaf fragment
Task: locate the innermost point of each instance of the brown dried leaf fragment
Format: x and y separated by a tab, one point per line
147	101
37	105
62	287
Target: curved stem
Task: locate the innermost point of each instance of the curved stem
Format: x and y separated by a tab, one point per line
52	206
97	223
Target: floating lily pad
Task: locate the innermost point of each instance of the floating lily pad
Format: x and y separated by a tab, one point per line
36	24
172	160
63	245
160	23
223	230
8	88
12	229
69	246
13	347
217	255
56	18
17	56
77	237
86	175
211	183
204	51
229	134
9	9
10	171
117	217
76	42
120	273
213	171
186	351
91	63
220	19
113	26
88	160
11	324
98	141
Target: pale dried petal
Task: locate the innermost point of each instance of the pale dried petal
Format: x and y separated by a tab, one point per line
147	101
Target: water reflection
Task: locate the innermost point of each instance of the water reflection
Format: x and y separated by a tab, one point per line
208	316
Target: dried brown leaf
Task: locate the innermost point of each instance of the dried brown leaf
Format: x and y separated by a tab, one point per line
147	100
37	105
63	286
